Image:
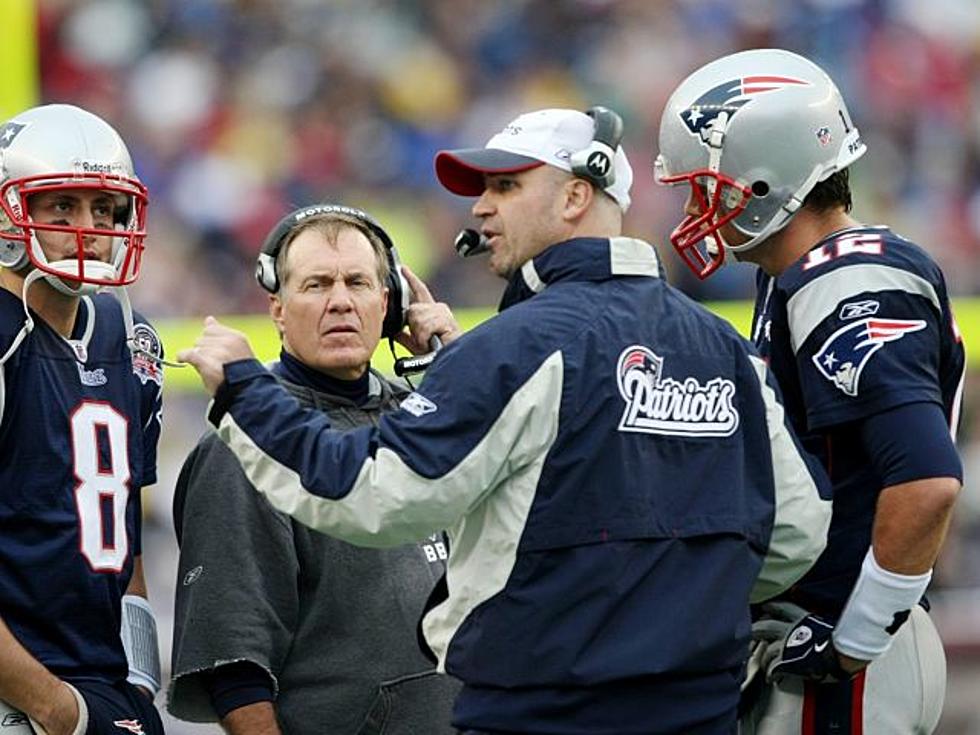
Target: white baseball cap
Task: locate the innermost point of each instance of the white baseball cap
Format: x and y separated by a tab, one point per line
532	139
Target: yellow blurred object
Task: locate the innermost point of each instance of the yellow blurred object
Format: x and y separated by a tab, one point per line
18	56
180	333
423	87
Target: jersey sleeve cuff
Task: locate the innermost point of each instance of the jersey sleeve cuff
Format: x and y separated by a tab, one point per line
238	684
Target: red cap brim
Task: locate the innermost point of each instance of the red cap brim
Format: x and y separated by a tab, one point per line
462	171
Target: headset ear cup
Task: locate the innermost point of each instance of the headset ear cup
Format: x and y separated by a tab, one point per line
265	272
399	294
265	265
596	163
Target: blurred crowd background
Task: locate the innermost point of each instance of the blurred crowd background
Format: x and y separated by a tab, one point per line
239	110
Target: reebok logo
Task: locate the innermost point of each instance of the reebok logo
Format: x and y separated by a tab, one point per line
193	575
418	405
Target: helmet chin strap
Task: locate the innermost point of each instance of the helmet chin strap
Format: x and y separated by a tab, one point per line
95	269
716	146
31	277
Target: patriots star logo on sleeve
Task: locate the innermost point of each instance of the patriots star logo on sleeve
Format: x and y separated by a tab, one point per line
843	356
134	726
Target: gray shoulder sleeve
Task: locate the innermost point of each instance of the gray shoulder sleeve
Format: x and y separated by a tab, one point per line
799	532
237	595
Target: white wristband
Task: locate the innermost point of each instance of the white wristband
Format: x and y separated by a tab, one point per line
139	638
874	610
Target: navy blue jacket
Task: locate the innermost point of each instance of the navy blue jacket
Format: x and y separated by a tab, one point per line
618	481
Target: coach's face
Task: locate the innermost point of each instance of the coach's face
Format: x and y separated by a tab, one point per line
332	304
521	214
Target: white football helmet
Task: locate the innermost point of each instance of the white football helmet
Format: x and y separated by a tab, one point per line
57	147
752	133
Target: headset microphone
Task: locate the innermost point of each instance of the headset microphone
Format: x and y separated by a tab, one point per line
470	242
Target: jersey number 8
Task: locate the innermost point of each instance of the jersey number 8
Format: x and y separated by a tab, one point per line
101	486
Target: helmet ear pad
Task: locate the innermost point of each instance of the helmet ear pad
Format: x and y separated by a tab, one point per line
399	293
13	254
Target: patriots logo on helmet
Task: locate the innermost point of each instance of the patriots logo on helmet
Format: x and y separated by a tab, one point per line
844	355
730	97
8	132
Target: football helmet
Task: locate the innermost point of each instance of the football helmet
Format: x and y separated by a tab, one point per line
751	133
61	147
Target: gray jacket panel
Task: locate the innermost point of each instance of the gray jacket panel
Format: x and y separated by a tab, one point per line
333	624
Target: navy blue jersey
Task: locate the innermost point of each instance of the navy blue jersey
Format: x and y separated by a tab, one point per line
861	324
78	434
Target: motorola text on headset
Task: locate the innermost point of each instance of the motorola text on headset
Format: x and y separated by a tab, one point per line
594	163
399	292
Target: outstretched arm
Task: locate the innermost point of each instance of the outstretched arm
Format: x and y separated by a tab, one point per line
422	469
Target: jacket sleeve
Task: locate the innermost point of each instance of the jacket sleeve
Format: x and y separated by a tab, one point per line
421	470
236	594
802	500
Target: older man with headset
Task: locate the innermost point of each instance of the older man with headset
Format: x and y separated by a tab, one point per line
610	460
280	628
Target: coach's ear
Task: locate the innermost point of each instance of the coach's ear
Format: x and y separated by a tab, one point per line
275	313
579	194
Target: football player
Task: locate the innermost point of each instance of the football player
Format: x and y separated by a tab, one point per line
80	403
855	323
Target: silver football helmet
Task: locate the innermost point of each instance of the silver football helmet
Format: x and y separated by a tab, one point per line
752	133
61	147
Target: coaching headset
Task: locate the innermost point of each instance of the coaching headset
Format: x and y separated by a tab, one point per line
398	289
595	163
